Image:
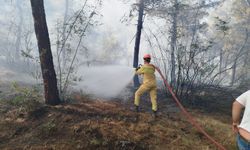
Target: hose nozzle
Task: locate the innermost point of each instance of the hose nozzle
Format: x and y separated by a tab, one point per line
140	65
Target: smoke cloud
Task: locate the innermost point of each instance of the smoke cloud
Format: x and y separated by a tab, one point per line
105	81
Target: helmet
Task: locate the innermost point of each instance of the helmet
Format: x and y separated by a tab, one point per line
147	56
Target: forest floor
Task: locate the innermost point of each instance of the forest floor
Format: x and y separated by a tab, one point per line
85	123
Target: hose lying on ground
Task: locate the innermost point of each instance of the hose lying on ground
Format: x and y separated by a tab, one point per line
189	117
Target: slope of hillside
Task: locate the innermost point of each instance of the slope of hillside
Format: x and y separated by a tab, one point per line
99	124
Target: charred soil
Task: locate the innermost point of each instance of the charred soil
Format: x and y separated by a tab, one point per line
99	124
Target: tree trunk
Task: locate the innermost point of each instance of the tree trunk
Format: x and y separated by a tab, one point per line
246	62
221	60
64	30
173	41
46	59
246	67
137	41
234	67
62	61
234	72
19	32
248	2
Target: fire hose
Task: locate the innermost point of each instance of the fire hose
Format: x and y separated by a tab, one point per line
189	117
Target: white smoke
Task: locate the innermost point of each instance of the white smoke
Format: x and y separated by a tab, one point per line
105	81
8	76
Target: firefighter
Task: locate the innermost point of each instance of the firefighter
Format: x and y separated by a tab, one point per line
149	83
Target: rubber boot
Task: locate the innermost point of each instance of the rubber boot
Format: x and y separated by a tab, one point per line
154	114
136	108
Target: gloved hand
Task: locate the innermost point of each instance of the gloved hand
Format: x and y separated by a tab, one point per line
136	69
139	67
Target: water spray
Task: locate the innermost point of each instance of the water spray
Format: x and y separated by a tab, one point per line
105	81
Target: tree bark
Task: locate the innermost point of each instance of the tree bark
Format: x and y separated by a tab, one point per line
138	40
173	41
46	59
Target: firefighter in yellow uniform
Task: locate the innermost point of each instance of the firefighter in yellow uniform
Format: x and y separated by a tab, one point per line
149	83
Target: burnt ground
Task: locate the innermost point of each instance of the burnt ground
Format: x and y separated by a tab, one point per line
101	124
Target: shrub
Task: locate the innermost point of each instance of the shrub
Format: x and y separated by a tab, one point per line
25	98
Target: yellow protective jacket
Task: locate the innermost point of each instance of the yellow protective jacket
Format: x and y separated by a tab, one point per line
147	70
